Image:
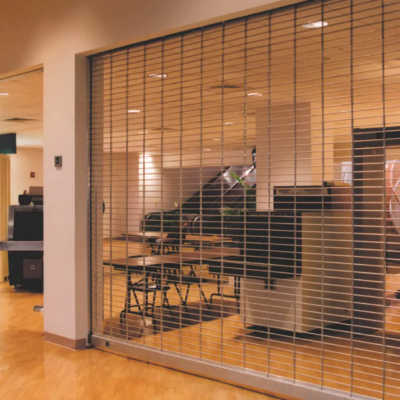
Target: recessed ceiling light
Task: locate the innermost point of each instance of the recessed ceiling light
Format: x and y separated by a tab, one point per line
225	86
3	94
134	111
315	24
158	75
229	123
254	94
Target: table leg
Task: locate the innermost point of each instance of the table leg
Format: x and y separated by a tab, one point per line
236	289
146	294
122	316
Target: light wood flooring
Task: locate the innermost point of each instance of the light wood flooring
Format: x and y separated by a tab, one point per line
362	364
31	369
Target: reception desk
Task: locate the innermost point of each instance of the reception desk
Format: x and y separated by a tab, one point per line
25	245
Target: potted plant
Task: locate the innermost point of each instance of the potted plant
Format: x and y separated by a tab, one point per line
234	217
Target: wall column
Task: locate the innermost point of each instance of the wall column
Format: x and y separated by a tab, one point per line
283	149
66	272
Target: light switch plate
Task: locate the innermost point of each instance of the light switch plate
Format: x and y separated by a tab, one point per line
58	161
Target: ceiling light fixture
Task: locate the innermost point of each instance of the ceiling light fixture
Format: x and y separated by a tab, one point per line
255	94
17	119
158	75
229	123
225	86
133	111
315	24
3	94
207	149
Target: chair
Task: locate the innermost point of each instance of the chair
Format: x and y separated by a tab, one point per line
180	279
173	241
143	309
171	244
147	285
233	267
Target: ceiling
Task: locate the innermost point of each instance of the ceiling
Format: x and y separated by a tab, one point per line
24	101
337	71
346	72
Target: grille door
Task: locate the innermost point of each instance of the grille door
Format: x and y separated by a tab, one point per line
245	196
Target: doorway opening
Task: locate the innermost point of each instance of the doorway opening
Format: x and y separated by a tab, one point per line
21	202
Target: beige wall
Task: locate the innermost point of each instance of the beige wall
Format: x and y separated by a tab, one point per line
283	149
22	164
215	158
121	194
55	34
137	185
34	32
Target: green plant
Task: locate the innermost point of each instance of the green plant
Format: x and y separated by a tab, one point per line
166	220
230	211
240	180
249	197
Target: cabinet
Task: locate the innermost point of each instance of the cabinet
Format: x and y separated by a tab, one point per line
322	294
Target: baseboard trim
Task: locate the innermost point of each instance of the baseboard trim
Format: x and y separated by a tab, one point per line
79	344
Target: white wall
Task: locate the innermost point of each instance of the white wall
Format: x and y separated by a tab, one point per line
121	194
26	160
215	158
137	185
53	34
283	149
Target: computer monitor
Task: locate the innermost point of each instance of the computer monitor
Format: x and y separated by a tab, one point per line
8	143
28	223
36	190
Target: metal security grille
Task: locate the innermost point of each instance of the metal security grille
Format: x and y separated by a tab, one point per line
245	196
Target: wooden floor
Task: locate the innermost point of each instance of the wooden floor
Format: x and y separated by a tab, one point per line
31	369
367	364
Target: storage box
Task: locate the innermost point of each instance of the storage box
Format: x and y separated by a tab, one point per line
32	268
